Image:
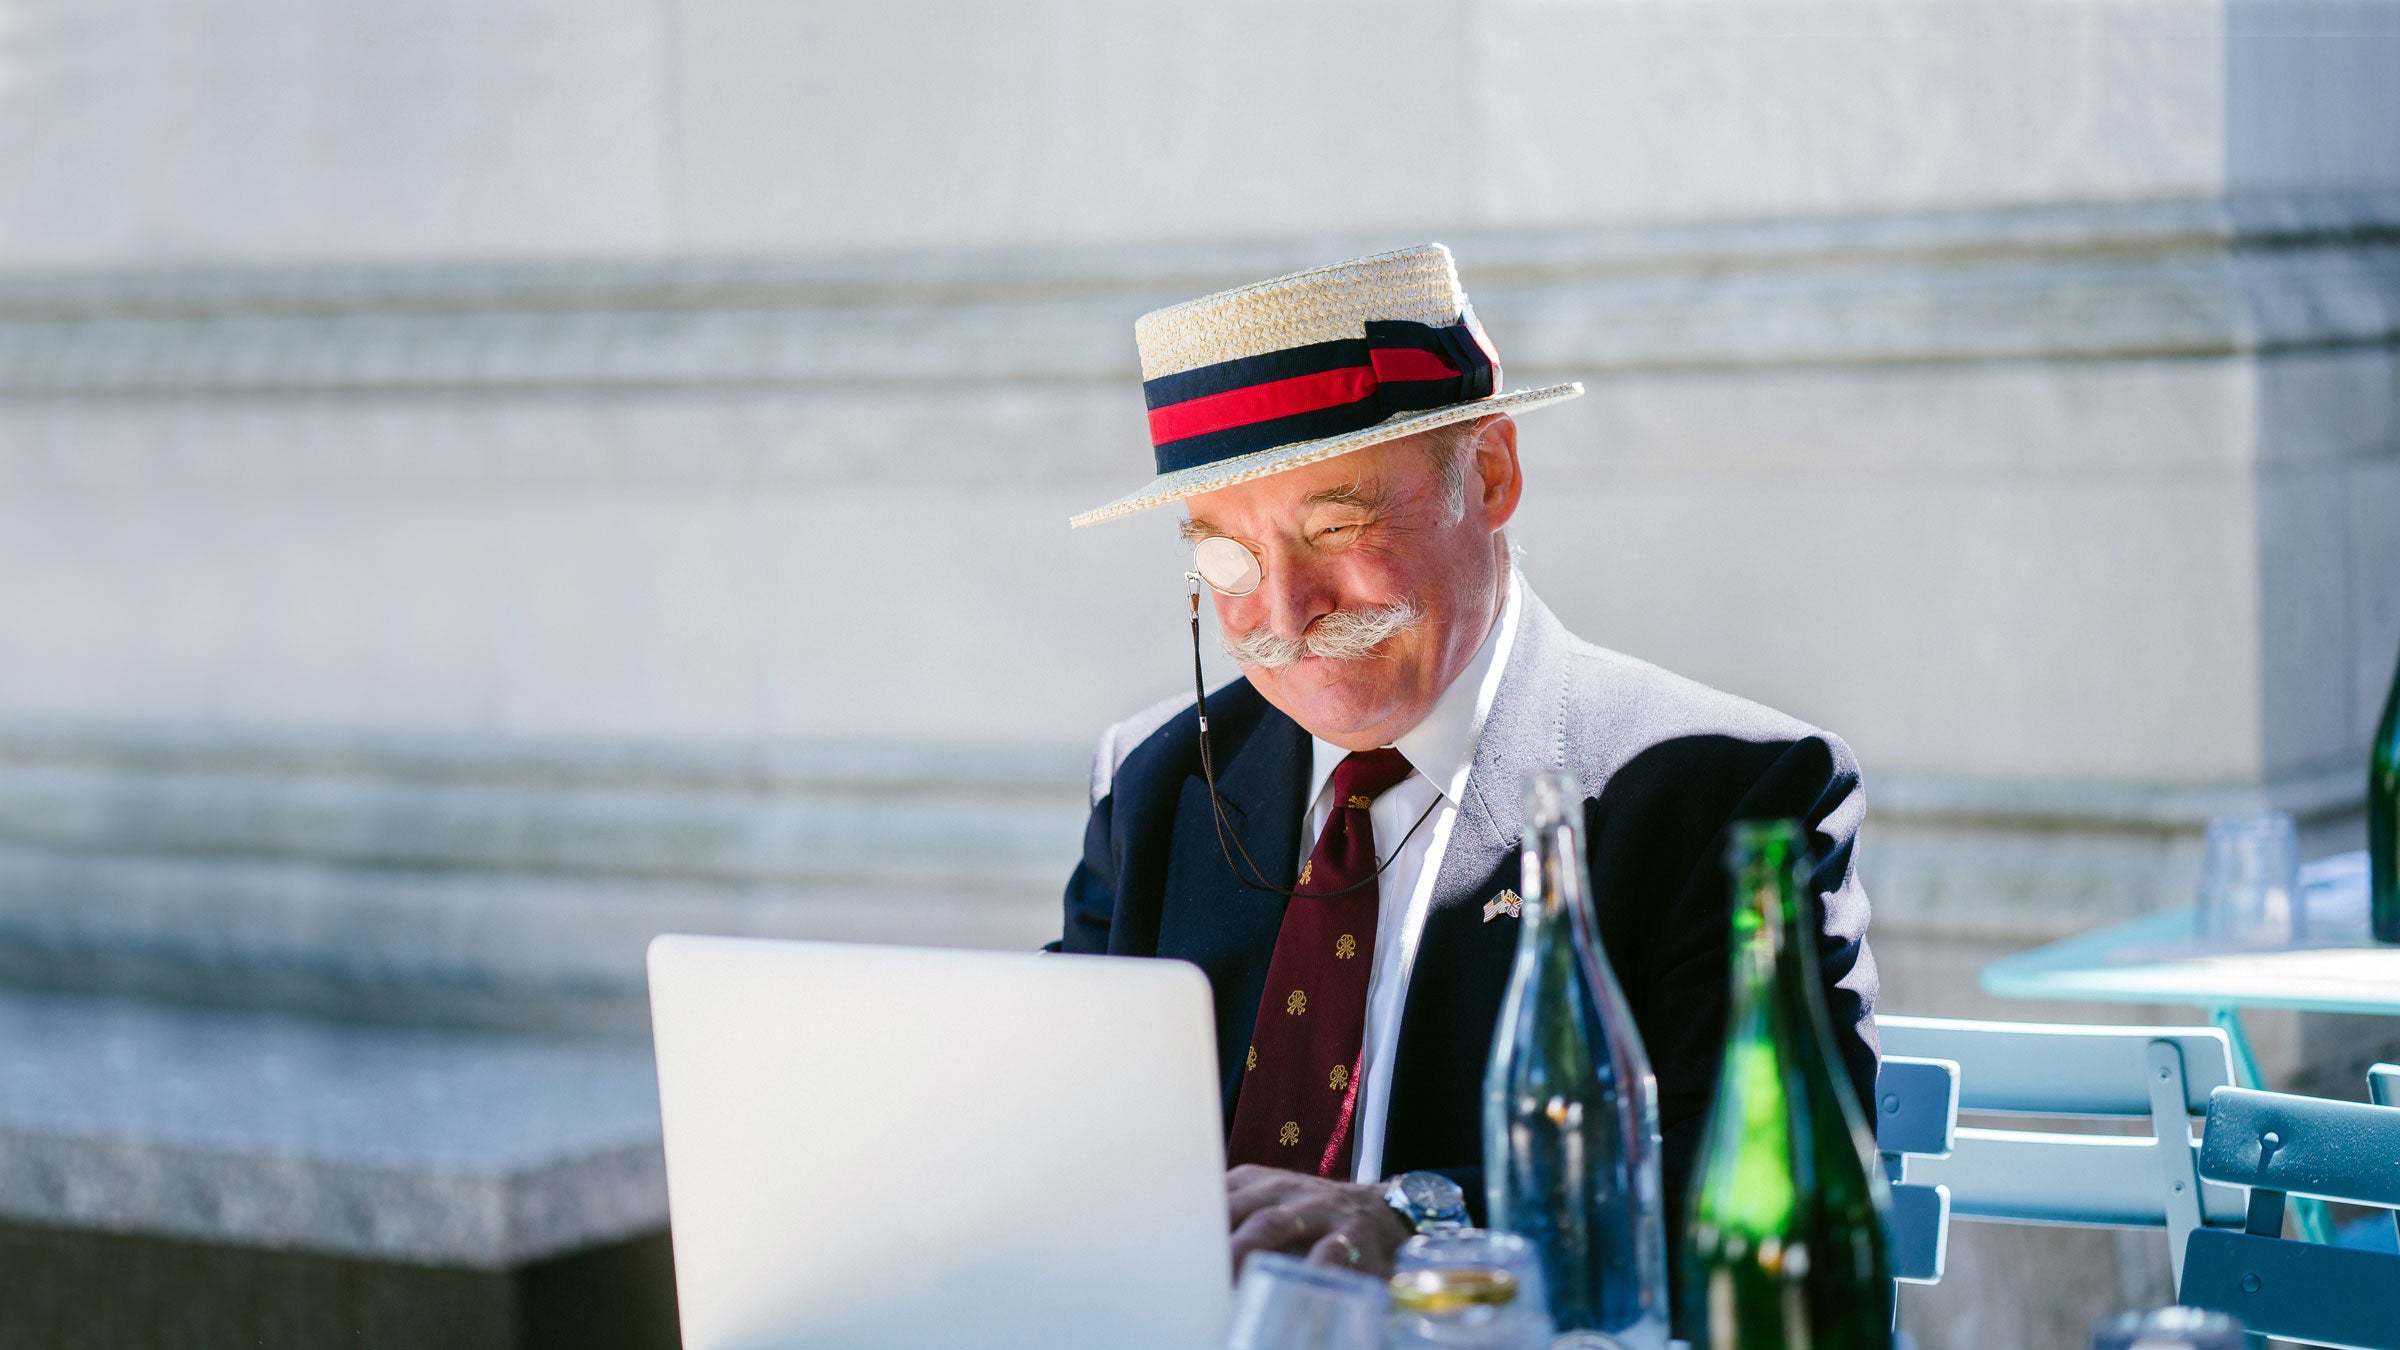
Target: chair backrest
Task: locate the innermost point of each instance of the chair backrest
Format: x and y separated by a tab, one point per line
1916	1114
2159	1075
2280	1145
2051	1069
2383	1089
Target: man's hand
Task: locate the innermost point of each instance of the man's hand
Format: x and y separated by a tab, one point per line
1334	1223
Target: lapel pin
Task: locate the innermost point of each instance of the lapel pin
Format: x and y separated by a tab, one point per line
1506	902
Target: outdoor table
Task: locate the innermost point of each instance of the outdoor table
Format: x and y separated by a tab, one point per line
2159	958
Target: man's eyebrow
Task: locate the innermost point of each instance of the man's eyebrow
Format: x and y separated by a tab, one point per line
1364	496
1195	530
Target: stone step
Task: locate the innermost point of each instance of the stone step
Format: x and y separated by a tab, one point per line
509	884
451	947
893	818
471	1149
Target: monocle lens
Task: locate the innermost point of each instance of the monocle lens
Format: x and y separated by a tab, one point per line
1227	567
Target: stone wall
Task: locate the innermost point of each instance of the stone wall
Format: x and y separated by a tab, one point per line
274	131
482	484
2076	521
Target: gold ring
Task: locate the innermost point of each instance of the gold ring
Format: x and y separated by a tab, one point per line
1349	1249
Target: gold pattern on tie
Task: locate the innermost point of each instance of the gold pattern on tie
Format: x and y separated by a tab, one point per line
1341	1077
1322	967
1305	869
1252	1062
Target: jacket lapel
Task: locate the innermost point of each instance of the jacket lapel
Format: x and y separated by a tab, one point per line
1461	969
1210	916
1519	736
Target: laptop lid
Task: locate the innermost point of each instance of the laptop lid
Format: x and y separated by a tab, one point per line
903	1147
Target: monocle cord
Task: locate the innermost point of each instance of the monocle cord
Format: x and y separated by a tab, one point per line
1208	771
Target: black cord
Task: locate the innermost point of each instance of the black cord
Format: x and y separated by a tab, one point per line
1208	770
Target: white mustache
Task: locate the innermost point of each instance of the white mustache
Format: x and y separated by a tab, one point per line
1344	635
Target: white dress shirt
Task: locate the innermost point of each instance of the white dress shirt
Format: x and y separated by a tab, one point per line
1441	749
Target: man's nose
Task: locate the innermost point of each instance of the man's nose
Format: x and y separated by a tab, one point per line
1293	596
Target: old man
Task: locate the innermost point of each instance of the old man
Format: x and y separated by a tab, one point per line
1337	847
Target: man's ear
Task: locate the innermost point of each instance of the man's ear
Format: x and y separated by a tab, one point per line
1497	478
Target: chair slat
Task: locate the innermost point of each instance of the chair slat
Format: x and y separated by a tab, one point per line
1920	1233
2068	1070
1916	1105
2036	1177
2299	1291
2383	1088
2303	1146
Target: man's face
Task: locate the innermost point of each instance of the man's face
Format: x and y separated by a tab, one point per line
1355	547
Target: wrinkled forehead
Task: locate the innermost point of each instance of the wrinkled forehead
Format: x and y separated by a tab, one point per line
1287	500
1376	478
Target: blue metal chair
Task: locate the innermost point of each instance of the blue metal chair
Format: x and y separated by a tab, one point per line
2280	1145
2383	1088
2158	1075
1916	1115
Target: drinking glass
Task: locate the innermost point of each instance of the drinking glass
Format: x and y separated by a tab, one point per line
2168	1329
1468	1289
1284	1303
1476	1247
2250	882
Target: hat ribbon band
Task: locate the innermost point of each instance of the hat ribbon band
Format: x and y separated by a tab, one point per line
1307	393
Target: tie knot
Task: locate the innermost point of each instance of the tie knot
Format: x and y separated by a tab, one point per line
1368	774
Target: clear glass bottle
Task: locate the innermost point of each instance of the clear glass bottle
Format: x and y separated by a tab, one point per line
2383	821
1786	1241
1570	1107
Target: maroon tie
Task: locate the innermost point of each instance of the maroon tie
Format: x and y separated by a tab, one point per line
1300	1088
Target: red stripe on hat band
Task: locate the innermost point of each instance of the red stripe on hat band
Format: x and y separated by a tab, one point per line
1263	402
1410	363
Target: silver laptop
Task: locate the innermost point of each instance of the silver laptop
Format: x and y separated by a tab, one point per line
899	1147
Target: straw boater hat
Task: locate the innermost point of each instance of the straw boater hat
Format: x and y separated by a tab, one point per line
1268	377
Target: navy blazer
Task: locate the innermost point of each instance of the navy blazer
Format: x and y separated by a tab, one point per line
1665	763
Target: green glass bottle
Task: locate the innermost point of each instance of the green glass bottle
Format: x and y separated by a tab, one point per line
1786	1239
2383	821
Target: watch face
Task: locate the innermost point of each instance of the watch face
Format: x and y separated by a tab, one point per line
1431	1192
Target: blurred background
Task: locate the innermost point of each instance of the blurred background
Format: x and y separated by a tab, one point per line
483	482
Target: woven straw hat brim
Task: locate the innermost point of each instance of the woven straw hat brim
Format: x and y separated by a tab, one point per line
1227	472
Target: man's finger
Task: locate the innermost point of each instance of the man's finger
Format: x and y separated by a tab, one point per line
1272	1188
1337	1248
1276	1228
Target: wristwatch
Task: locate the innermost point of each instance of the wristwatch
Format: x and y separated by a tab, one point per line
1427	1201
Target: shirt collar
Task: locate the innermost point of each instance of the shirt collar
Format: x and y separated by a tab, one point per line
1442	747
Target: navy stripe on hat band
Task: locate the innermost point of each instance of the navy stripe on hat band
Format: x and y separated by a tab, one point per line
1244	371
1456	345
1193	451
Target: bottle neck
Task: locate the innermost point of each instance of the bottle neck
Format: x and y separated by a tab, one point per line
1748	1185
1760	919
2387	732
1777	936
1772	925
1552	881
1765	862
